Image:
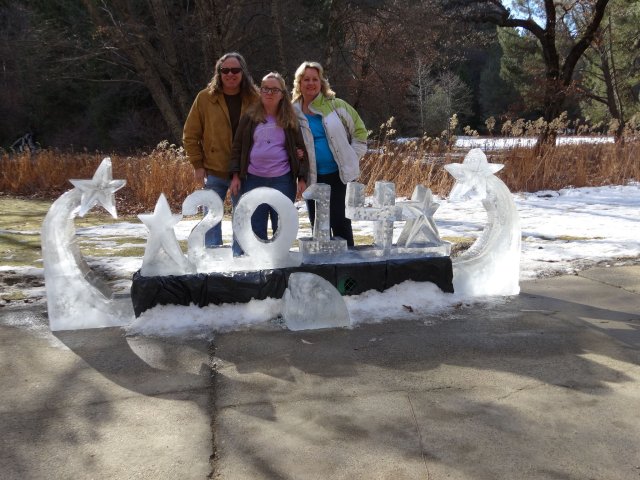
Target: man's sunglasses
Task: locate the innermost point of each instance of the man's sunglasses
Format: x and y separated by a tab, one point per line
227	71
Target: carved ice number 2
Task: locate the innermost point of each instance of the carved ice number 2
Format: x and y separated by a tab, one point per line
215	210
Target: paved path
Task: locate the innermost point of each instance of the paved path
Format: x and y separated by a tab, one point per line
545	386
95	404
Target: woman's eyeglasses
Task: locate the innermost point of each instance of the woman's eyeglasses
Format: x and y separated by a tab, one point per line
267	90
234	70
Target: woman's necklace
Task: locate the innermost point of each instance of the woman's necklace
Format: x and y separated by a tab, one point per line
268	130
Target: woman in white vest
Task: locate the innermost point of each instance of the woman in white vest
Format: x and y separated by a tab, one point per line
335	138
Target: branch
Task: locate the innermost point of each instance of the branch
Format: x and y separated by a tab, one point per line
495	13
595	97
581	46
97	80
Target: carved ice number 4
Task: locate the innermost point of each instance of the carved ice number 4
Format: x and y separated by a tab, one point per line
215	210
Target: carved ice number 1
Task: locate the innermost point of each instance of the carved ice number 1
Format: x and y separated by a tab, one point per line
215	210
321	193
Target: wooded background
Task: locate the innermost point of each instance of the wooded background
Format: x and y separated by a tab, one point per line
120	75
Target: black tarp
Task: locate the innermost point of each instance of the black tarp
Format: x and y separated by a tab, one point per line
437	270
240	287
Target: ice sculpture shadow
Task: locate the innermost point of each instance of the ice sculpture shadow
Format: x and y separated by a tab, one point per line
461	339
264	370
491	266
148	366
76	296
70	392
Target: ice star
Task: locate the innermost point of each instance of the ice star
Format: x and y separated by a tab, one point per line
472	174
420	227
100	189
161	235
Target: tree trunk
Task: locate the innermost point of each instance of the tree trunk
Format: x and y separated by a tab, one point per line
220	21
334	16
158	92
169	68
276	23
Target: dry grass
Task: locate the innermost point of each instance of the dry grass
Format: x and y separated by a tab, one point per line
46	175
407	164
525	170
572	165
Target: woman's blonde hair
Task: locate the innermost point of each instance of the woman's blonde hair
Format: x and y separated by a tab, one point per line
286	116
325	88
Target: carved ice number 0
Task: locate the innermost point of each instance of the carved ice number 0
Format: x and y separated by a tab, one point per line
278	246
215	210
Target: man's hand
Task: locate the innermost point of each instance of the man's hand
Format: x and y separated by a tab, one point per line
200	175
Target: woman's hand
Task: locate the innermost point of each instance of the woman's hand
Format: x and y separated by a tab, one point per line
302	186
234	187
300	153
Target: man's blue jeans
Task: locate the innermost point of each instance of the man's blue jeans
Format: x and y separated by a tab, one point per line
213	237
260	217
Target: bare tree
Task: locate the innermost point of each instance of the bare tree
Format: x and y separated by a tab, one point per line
154	61
371	50
219	28
611	98
153	36
444	97
423	86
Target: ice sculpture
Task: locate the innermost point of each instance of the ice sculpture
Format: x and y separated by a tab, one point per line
273	253
321	243
383	212
162	254
311	302
492	265
420	229
205	259
99	190
76	297
420	237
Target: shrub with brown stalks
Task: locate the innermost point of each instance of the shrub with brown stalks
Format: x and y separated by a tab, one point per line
420	161
490	123
631	131
407	163
581	165
164	170
45	174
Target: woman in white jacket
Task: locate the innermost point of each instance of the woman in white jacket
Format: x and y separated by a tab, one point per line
335	138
